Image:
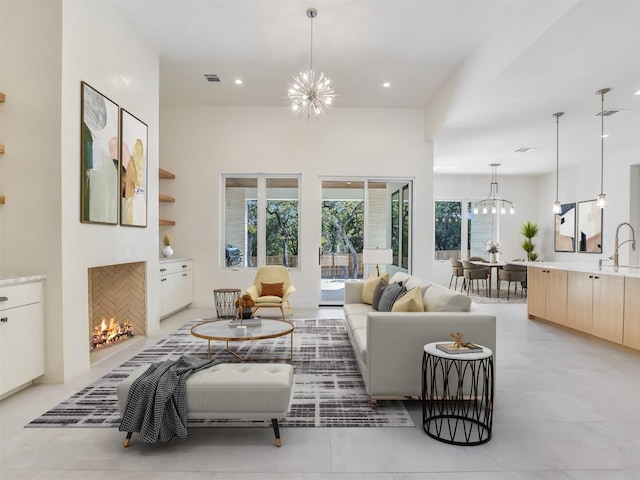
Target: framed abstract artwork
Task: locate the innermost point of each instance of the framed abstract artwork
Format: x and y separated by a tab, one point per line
99	141
133	170
589	233
565	228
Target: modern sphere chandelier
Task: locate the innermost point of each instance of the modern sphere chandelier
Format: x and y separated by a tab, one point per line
311	94
494	203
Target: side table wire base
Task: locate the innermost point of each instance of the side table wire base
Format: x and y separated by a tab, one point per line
457	399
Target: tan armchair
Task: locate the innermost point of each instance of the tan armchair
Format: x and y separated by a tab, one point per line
512	273
457	270
265	289
474	272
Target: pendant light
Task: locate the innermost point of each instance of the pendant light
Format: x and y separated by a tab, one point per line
494	202
557	208
602	197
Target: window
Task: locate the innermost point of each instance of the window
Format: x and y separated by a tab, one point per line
458	237
260	221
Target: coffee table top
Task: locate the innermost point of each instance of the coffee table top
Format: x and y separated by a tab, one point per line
220	330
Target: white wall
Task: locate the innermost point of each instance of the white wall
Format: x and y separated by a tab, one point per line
102	49
200	143
47	49
520	190
583	183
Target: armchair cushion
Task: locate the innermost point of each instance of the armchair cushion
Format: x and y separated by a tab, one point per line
272	289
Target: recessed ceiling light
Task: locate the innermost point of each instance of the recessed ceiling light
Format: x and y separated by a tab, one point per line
238	81
386	84
638	92
525	149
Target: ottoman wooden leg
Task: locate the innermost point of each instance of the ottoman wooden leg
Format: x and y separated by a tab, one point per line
276	430
128	439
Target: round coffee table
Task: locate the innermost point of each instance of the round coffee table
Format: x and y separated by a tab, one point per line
222	331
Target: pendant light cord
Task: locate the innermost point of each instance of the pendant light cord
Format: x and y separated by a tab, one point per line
311	48
557	153
602	145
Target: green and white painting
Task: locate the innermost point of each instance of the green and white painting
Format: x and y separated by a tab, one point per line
99	158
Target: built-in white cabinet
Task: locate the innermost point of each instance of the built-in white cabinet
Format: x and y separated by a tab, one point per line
22	355
176	285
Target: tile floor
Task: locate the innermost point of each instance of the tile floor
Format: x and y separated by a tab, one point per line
567	407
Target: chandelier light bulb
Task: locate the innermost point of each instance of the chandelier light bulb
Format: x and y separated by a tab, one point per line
601	200
475	210
512	210
484	209
503	210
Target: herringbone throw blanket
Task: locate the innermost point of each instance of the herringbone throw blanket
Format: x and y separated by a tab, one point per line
156	404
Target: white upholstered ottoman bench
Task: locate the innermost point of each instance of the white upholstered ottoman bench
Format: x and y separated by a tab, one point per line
244	391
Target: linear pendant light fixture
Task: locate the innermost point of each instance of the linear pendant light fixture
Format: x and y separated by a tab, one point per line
557	208
494	201
311	94
602	197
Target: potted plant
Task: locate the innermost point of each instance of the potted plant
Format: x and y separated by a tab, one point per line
244	306
529	230
167	251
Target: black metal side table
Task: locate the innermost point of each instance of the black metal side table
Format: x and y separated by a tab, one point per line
225	300
457	395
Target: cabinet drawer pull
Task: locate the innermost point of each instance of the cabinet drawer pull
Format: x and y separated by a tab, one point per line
184	266
185	274
590	276
163	269
163	279
4	299
4	319
596	278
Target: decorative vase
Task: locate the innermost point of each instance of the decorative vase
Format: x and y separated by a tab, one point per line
493	258
247	312
167	251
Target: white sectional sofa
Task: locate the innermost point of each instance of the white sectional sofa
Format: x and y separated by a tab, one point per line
389	345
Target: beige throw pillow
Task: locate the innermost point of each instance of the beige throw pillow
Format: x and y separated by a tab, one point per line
370	286
409	302
440	299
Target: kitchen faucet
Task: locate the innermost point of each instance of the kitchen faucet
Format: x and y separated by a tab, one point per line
618	245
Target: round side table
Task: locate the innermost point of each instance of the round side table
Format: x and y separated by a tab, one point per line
457	395
225	300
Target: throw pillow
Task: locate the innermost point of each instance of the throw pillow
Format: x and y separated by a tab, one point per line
440	299
391	293
272	289
377	293
409	302
370	285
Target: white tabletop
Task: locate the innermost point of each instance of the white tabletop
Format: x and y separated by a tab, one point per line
431	349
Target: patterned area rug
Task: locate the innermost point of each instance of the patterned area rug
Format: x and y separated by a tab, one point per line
328	390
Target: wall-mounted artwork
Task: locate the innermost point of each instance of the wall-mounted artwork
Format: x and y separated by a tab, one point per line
565	231
98	158
133	170
589	233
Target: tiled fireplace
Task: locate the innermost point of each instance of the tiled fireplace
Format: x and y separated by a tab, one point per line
117	303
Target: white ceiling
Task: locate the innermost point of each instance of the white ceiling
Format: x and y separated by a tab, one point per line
489	74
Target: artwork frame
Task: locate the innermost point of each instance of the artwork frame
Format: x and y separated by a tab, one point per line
134	163
99	157
589	227
565	228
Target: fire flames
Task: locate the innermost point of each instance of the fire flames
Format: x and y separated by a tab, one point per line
111	332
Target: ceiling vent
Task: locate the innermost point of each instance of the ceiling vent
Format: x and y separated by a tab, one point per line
611	111
212	78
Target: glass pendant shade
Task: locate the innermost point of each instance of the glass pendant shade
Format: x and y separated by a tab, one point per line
557	208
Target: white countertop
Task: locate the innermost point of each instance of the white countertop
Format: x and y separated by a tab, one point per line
174	259
607	268
8	280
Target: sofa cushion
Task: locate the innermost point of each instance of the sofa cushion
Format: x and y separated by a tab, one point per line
357	321
409	302
360	338
391	293
440	299
377	293
414	282
400	277
370	285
